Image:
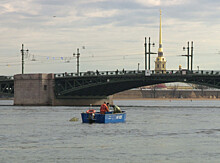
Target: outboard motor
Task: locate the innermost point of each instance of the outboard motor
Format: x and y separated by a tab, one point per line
91	115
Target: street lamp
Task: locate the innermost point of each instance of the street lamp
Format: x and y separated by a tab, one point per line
145	54
188	55
138	66
22	57
77	60
149	53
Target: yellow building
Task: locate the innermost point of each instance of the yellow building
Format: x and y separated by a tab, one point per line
160	63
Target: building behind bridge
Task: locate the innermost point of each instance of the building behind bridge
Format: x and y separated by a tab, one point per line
168	93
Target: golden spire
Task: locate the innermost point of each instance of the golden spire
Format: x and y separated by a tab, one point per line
160	63
160	50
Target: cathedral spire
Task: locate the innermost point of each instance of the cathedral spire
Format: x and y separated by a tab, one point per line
160	63
160	50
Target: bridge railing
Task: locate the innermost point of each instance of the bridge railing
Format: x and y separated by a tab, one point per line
3	78
137	72
185	72
99	73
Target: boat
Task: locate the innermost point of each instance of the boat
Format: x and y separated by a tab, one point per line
91	116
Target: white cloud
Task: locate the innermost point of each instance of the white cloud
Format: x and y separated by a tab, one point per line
20	7
174	2
113	28
7	8
100	13
162	2
149	2
91	1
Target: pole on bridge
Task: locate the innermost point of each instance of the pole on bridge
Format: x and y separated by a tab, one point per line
188	55
149	54
191	55
145	54
22	58
78	54
77	60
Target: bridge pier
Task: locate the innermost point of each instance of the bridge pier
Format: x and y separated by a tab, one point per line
38	89
33	89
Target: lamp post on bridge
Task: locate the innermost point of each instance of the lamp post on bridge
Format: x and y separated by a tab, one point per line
145	54
191	55
149	52
138	66
77	60
188	55
22	58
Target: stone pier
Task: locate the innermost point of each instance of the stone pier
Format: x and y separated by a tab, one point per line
38	89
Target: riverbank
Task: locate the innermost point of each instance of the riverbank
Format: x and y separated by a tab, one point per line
148	94
7	98
167	99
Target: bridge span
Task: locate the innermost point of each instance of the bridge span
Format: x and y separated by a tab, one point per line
110	82
93	87
6	85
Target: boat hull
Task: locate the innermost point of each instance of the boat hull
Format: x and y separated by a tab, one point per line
109	117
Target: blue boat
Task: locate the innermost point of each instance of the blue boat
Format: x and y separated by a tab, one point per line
108	117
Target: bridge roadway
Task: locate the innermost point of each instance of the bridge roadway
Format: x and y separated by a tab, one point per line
101	84
92	84
6	85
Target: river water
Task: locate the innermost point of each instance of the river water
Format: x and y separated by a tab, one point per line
155	131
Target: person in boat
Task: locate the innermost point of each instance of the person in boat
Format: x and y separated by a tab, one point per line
104	108
108	106
116	109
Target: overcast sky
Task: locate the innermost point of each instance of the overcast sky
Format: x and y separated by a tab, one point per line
109	33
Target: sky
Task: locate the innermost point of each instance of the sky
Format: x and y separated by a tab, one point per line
109	34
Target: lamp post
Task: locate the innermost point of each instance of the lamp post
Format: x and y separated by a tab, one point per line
77	60
191	55
188	55
149	52
145	54
138	66
22	58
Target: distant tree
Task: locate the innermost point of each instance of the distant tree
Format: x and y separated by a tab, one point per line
153	91
202	87
194	86
174	90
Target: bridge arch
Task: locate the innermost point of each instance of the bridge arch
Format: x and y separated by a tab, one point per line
108	83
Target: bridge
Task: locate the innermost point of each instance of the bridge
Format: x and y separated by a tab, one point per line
6	85
99	85
107	83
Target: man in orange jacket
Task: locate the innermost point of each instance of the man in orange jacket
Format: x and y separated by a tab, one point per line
104	108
